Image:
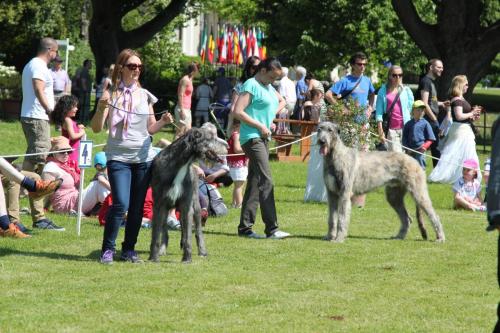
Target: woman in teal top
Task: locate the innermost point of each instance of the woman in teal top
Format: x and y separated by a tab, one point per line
256	108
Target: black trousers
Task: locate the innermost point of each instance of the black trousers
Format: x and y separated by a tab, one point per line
259	190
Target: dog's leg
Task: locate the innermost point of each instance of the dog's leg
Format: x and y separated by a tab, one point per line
164	234
418	189
186	227
200	240
344	215
420	220
333	217
156	232
424	202
395	197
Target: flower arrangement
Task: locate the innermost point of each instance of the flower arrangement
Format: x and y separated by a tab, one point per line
10	83
353	123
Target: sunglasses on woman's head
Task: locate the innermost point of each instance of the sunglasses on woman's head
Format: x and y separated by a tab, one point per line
133	67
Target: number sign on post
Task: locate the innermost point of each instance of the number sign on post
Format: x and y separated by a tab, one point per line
85	154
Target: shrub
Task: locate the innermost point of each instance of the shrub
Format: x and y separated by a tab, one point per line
10	83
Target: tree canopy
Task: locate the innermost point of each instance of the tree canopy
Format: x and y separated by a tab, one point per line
321	34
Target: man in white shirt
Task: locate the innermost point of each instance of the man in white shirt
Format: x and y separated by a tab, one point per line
38	102
287	90
62	83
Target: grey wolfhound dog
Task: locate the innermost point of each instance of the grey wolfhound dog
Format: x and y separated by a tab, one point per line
175	184
348	172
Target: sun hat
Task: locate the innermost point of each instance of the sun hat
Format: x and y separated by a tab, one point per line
100	158
471	164
418	104
59	143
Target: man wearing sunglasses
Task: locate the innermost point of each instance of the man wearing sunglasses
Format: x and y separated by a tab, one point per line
38	102
360	89
355	85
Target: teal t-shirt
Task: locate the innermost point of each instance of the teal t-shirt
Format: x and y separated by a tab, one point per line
262	108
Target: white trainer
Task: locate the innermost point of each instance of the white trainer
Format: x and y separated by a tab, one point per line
278	234
173	223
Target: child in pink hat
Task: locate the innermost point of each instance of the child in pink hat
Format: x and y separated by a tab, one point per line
467	189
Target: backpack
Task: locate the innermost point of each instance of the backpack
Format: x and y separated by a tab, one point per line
216	206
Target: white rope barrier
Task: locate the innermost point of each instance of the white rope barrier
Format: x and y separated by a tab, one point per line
424	154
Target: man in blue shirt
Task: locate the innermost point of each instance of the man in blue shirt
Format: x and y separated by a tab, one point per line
355	85
361	90
300	91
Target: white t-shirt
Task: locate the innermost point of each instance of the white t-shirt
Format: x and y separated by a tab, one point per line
468	190
31	108
287	90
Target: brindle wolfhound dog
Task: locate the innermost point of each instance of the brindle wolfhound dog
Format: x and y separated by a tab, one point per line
348	172
175	184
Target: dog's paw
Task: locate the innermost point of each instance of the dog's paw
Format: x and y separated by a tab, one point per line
328	238
398	237
440	240
339	240
154	259
203	254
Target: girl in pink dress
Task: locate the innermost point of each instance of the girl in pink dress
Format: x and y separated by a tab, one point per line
237	165
63	114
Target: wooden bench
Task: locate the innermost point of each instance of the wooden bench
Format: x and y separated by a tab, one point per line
284	153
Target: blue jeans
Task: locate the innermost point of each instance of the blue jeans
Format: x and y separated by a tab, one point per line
129	184
420	159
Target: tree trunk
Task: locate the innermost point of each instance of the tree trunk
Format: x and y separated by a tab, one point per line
107	37
458	39
104	31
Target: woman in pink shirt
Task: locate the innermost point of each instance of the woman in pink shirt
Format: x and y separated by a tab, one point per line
395	101
183	117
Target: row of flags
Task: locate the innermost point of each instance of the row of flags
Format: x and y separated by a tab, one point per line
231	44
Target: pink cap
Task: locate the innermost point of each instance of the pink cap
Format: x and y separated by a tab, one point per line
471	164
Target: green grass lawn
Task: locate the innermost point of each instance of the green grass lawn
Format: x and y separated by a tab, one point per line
53	282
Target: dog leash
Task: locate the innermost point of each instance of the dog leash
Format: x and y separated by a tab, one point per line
424	154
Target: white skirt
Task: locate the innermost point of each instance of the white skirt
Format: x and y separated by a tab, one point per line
458	146
239	174
315	187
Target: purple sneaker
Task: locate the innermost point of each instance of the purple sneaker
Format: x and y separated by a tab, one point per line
131	256
107	257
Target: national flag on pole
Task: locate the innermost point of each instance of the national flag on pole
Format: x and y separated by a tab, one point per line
229	56
223	50
211	48
243	44
203	44
255	44
238	59
264	53
249	43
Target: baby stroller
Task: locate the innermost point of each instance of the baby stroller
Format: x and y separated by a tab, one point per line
219	114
